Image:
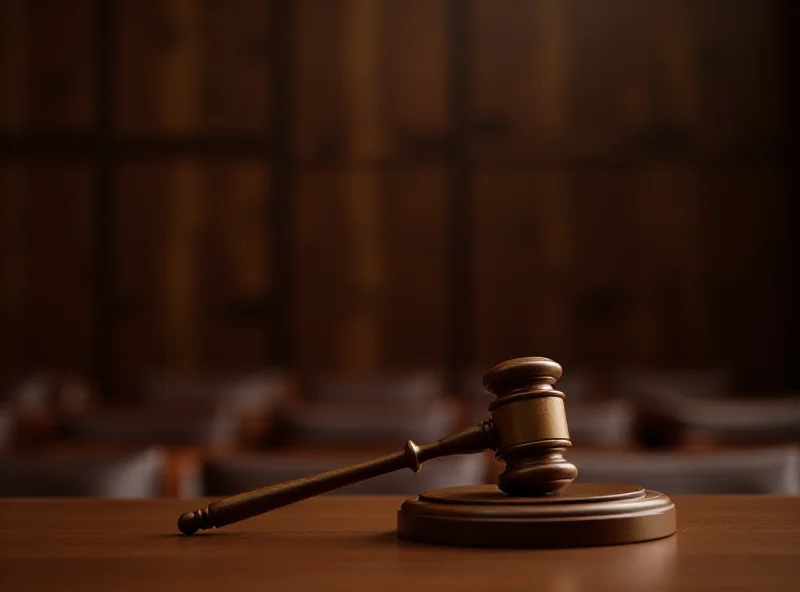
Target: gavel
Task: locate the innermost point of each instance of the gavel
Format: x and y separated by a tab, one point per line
527	430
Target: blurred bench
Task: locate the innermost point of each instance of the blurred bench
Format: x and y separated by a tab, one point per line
230	475
768	470
605	424
675	419
400	389
155	425
372	411
334	424
643	383
67	473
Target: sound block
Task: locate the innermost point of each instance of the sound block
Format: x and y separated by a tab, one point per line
580	515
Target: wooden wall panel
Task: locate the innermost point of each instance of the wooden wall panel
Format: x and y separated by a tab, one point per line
46	65
551	79
318	125
627	165
609	267
141	225
415	302
192	66
676	261
660	265
523	258
47	250
414	75
12	268
748	210
370	270
608	103
370	78
626	79
237	266
717	76
321	286
192	267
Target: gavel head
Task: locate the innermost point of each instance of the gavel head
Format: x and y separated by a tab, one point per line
530	426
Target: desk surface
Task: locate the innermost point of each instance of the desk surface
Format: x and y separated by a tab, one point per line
348	543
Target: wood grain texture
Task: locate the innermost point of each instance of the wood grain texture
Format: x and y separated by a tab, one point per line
12	267
728	542
369	279
45	262
624	79
627	160
188	67
524	243
583	515
383	68
46	65
192	266
613	265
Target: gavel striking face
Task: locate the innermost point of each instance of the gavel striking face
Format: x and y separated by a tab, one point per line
527	430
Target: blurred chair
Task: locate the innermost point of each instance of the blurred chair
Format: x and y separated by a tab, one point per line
178	412
601	423
32	395
705	382
772	470
252	402
248	393
6	426
51	394
40	404
178	425
409	390
135	475
372	410
674	418
376	423
228	476
29	411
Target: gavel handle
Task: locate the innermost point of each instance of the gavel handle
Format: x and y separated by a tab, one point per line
246	505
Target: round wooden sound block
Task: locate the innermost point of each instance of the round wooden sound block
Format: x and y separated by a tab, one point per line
581	515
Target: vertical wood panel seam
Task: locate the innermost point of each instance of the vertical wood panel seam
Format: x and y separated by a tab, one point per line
103	193
461	192
789	13
278	331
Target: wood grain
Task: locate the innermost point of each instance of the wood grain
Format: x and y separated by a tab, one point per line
383	68
610	266
523	237
188	67
193	270
624	79
729	542
627	161
370	279
46	65
46	264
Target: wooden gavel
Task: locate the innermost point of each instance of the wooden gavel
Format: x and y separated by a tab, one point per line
527	430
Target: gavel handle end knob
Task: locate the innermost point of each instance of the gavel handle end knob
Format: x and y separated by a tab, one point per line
191	522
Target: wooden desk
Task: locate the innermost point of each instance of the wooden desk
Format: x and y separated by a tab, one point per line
348	543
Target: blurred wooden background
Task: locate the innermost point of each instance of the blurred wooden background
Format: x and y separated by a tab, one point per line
368	186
